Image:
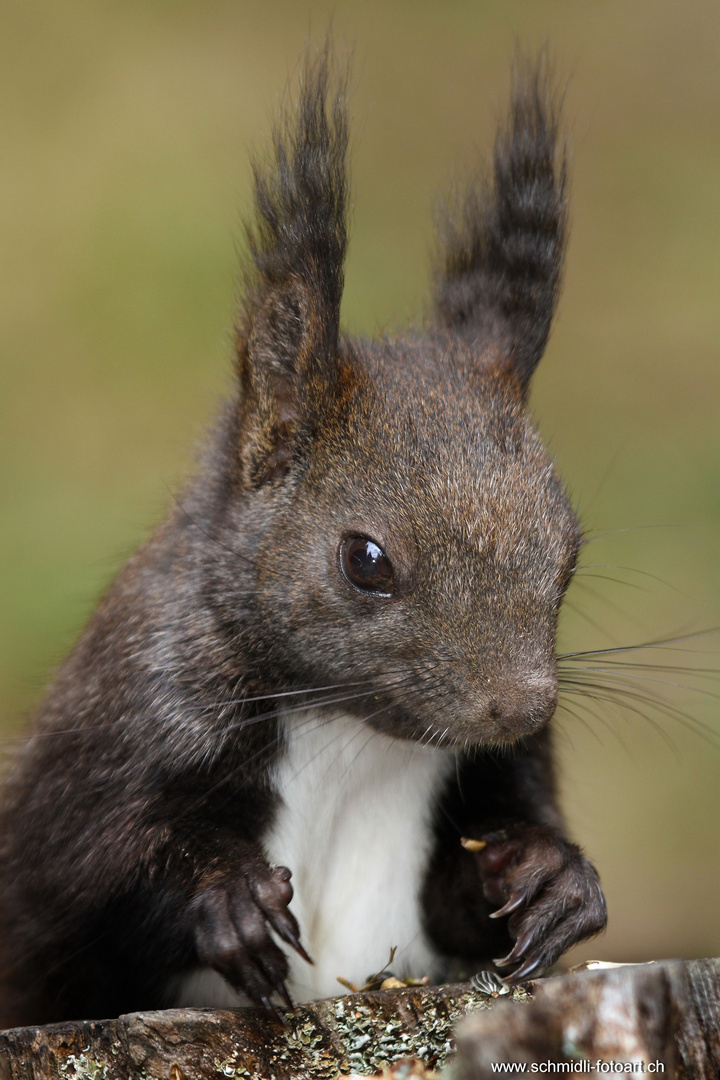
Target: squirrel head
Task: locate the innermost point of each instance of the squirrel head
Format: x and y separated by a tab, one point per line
405	537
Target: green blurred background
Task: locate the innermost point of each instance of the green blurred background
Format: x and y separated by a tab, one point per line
125	130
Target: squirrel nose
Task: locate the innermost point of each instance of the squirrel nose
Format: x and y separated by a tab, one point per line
522	705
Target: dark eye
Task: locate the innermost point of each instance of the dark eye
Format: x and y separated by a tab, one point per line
366	565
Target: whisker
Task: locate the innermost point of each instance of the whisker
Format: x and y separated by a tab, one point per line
682	669
371	736
303	690
302	726
619	675
606	723
267	748
581	575
622	698
584	615
624	706
592	537
659	644
579	583
581	719
629	570
285	710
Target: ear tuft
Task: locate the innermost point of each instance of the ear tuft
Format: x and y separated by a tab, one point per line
502	243
289	325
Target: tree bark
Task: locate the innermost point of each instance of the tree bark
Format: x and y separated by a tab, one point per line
661	1019
357	1032
665	1014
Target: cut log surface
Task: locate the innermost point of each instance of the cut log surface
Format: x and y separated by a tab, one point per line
350	1034
659	1019
662	1019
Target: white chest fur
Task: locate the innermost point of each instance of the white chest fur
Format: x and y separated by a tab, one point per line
354	826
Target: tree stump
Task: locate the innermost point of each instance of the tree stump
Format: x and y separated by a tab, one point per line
657	1019
664	1015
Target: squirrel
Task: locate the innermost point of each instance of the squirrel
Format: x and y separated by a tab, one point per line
336	657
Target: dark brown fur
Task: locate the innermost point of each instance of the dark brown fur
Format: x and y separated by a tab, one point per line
132	818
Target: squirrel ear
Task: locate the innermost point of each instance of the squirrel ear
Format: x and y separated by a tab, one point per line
503	242
289	326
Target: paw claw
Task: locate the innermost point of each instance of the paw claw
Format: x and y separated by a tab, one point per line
235	918
292	939
505	961
270	1008
547	888
510	906
525	971
284	993
520	947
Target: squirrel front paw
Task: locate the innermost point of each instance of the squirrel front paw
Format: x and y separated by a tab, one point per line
547	887
233	919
